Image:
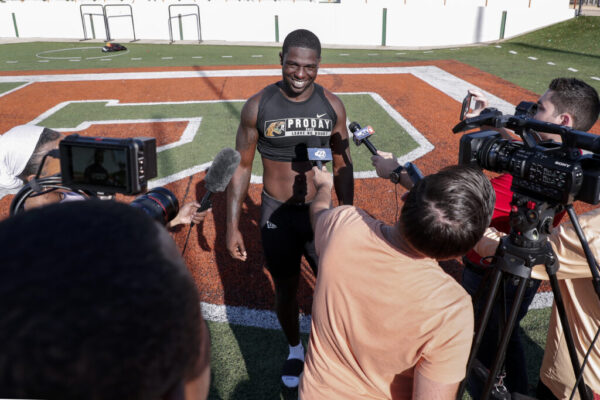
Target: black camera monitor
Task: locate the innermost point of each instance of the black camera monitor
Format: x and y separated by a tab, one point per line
107	165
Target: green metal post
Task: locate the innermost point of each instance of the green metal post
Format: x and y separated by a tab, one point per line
92	25
502	24
384	27
15	24
180	27
277	28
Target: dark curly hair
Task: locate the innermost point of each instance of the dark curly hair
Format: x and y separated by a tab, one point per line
94	304
301	38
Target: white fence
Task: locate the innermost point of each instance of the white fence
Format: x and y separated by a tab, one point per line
407	23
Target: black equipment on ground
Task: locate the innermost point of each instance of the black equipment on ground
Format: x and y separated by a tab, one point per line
547	178
361	135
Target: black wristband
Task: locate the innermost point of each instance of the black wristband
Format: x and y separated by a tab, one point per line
395	175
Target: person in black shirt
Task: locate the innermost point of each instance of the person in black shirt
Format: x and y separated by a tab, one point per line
282	121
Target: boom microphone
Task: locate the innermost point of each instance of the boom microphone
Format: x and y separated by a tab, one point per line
361	135
219	174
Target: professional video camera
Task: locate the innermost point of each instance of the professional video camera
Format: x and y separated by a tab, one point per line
102	167
546	178
547	170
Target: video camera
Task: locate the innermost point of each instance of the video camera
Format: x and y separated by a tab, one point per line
543	169
95	166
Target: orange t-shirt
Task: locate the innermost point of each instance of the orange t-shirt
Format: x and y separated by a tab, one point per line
378	314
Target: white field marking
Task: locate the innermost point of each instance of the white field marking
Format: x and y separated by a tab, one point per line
15	89
595	78
542	300
572	69
197	57
136	58
498	46
424	145
248	317
226	56
373	54
399	54
550	63
266	319
166	58
43	61
257	55
12	62
428	51
457	48
532	58
105	59
512	52
75	60
344	54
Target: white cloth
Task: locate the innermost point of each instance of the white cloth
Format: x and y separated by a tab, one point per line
16	147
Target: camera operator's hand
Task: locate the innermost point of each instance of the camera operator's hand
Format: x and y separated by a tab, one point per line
481	102
384	163
188	214
322	178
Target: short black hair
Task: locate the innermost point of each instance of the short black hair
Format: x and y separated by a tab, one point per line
91	306
574	96
47	136
301	38
445	214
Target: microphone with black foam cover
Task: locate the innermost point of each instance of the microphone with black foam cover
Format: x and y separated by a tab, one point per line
219	174
361	135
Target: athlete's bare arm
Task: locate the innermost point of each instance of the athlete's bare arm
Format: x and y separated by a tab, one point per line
343	171
245	143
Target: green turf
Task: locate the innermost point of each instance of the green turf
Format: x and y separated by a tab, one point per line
6	86
246	362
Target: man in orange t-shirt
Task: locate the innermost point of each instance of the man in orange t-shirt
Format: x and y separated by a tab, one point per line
387	321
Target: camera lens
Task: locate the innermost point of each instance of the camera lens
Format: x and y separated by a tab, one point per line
159	203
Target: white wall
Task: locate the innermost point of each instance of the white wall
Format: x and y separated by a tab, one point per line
410	23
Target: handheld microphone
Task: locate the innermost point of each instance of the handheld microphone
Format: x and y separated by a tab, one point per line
219	174
361	135
319	155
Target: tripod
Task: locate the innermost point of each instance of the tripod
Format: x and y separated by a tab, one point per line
527	245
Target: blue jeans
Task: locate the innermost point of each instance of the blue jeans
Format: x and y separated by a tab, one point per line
515	363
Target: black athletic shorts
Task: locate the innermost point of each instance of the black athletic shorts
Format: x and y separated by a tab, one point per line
286	235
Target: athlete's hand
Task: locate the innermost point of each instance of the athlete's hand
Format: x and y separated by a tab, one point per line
384	163
235	244
481	102
322	179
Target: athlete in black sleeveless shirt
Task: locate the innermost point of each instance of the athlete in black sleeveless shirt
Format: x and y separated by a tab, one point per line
282	121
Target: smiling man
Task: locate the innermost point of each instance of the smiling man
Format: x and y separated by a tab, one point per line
282	121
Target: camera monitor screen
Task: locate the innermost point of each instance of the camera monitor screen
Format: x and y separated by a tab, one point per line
97	166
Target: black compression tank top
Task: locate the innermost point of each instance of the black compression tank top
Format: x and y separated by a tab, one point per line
287	128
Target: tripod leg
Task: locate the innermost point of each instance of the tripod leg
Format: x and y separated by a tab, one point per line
496	279
560	307
506	333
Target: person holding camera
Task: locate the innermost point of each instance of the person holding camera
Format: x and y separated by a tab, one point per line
387	321
97	303
569	102
582	307
282	121
22	150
